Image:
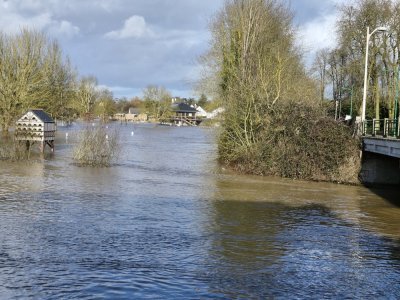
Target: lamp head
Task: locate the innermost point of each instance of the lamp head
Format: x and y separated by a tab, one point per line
382	29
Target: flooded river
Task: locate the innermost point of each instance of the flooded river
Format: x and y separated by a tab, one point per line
167	222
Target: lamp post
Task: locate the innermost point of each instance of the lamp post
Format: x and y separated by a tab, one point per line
364	102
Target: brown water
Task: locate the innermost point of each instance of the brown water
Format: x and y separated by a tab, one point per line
168	222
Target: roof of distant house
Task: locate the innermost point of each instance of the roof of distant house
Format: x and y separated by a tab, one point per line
183	107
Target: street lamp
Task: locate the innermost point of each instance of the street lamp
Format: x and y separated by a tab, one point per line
380	29
364	102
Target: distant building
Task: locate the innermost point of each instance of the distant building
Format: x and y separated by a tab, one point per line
184	115
200	111
133	115
215	113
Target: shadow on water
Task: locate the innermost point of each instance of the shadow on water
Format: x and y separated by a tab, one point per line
302	251
389	193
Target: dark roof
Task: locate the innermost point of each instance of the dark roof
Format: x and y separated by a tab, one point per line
134	110
183	107
42	115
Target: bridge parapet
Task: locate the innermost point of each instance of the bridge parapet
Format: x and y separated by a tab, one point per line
386	128
382	137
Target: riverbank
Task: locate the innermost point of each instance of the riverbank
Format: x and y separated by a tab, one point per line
295	141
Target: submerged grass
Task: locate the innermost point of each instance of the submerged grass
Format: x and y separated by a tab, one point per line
13	150
96	147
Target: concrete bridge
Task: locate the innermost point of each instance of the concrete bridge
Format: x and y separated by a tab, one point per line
381	151
382	137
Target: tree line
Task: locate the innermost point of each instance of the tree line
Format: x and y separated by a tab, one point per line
342	68
34	73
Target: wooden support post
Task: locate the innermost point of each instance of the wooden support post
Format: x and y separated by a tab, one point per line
42	145
51	145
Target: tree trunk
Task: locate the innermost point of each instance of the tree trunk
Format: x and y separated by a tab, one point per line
377	98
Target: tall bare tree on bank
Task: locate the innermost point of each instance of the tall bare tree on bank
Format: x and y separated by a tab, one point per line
157	101
60	78
258	67
85	96
105	106
320	69
31	67
274	123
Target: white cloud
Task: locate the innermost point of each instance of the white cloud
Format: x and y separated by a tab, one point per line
63	29
13	23
134	27
318	34
12	20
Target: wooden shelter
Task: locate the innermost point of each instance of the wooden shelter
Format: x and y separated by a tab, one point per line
36	126
184	115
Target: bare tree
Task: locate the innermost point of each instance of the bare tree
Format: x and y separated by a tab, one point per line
384	49
320	69
85	96
105	106
157	100
32	74
256	65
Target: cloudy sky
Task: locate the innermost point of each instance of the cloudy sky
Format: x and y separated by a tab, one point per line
129	44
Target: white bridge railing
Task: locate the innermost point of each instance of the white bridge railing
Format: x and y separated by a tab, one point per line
387	128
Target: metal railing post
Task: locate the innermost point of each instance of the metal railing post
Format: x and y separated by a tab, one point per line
373	127
363	128
398	128
385	127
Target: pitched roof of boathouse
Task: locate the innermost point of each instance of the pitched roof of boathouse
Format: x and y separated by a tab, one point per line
40	114
183	107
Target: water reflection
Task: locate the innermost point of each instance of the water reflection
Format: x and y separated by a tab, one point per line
356	205
302	241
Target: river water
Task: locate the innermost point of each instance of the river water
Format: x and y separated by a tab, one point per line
166	222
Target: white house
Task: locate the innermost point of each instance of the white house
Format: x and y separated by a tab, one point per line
201	112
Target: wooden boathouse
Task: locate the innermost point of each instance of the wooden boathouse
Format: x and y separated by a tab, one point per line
184	115
36	126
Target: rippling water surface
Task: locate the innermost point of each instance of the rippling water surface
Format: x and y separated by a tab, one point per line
167	222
